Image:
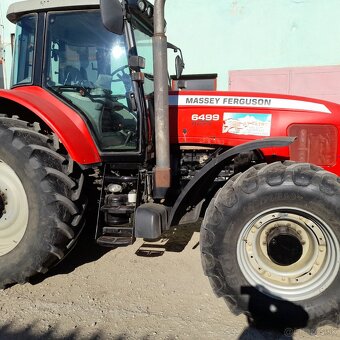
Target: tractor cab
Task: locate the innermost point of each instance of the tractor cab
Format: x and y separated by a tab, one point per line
94	71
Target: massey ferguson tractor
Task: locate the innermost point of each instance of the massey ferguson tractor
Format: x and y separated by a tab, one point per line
90	108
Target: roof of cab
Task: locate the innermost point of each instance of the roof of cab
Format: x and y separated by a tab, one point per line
17	9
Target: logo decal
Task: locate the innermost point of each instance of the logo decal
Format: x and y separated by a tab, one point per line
247	124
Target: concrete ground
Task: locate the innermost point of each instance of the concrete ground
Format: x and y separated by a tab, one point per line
98	293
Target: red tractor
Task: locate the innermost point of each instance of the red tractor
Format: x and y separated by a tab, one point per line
89	108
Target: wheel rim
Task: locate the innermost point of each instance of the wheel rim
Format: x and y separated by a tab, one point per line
289	253
13	209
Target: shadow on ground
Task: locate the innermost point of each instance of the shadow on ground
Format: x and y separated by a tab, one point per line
32	332
174	240
271	318
85	251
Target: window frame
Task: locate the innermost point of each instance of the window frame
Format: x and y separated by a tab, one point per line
17	56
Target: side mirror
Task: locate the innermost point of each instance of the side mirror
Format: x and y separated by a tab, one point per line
179	65
179	62
112	15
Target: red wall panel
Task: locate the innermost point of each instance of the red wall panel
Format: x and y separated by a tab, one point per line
317	82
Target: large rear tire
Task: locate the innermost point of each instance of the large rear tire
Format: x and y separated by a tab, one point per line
41	201
270	245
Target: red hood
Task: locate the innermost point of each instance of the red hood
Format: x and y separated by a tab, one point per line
232	118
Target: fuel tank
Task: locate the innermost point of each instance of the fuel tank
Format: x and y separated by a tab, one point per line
232	118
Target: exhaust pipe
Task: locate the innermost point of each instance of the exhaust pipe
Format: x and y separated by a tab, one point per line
162	171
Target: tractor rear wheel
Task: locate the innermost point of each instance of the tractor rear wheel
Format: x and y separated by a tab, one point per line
41	201
270	244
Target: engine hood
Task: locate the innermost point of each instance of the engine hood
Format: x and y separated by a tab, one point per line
233	118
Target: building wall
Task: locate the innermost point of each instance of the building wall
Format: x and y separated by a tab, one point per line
222	35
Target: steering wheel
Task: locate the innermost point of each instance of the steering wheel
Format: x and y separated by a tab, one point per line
127	134
120	74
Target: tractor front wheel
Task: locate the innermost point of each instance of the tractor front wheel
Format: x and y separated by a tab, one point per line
41	201
270	245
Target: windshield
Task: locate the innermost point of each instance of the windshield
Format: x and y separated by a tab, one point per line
88	67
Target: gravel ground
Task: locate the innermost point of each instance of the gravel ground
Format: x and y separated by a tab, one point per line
100	293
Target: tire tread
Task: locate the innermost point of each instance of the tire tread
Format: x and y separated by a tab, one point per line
60	180
271	175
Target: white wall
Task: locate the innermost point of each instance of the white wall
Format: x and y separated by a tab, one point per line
222	35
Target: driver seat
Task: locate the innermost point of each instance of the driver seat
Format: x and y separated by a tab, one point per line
71	75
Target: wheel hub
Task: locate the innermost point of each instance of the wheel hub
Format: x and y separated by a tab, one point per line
14	209
290	252
284	246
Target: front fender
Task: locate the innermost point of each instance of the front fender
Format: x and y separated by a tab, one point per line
61	119
206	176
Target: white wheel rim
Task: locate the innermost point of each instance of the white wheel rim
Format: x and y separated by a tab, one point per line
307	276
14	209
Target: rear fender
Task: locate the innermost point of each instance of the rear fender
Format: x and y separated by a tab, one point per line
197	187
33	101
